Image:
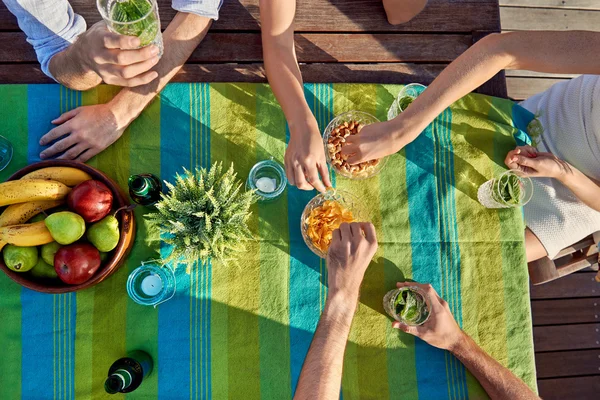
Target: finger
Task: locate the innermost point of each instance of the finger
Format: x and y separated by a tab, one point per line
337	236
300	178
86	155
133	82
355	230
133	70
369	231
58	147
357	158
289	172
73	152
313	179
405	328
115	41
529	151
525	161
324	171
345	231
55	133
66	116
128	57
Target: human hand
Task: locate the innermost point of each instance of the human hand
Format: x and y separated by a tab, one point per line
305	159
115	58
351	250
375	141
536	164
440	330
83	133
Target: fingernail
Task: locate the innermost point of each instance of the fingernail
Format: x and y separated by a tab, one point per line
42	155
155	60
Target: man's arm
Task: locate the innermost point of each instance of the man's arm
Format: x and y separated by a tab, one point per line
442	331
557	52
86	131
350	253
305	155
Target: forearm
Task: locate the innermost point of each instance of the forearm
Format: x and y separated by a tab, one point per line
67	69
498	381
181	37
321	374
586	189
558	52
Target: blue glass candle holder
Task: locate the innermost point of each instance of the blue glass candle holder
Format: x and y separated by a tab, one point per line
268	179
151	284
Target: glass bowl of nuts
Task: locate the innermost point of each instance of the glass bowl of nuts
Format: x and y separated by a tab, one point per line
334	138
324	214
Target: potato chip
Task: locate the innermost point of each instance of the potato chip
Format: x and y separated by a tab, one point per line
325	219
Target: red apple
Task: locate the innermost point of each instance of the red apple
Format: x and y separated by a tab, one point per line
76	263
91	199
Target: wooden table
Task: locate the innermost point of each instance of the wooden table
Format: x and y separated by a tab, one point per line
336	41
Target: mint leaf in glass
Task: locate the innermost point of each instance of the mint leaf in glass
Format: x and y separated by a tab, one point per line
146	27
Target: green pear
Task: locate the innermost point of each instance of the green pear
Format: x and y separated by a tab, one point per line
103	256
43	270
65	227
48	251
38	218
20	259
104	234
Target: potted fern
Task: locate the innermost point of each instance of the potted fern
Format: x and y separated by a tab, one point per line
204	215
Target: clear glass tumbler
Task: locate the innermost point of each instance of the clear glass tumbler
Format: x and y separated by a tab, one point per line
151	284
407	95
508	190
268	178
6	152
409	305
133	18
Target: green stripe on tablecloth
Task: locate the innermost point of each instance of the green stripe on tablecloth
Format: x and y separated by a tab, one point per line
142	321
274	339
13	115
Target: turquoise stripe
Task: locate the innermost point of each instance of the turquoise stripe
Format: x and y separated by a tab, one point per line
174	315
44	105
430	363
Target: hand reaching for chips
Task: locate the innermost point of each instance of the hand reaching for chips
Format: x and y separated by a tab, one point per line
325	219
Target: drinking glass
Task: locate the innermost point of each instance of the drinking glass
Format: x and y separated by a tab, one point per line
6	152
420	310
406	96
508	190
133	18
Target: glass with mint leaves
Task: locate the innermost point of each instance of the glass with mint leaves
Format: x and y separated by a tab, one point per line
407	95
409	305
133	18
509	190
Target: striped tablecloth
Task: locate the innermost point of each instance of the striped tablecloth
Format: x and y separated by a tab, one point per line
241	331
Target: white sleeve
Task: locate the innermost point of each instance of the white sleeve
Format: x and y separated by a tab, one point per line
204	8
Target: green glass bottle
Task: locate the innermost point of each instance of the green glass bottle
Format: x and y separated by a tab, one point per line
127	373
144	189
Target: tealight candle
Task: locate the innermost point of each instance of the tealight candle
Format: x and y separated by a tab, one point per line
152	285
266	185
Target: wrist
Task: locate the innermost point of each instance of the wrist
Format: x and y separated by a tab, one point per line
459	344
126	108
403	130
346	298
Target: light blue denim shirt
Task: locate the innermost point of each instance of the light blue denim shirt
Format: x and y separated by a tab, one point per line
51	25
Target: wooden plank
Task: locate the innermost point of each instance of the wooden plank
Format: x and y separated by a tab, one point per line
566	337
570	286
565	311
581	388
246	47
523	88
254	72
563	4
521	18
342	16
567	363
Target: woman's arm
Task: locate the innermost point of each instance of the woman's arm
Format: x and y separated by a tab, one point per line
543	51
305	156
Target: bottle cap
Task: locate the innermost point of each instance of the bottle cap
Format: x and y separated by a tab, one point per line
114	384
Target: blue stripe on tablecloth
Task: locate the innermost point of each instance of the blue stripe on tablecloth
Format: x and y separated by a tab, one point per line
451	291
305	276
173	342
44	105
432	379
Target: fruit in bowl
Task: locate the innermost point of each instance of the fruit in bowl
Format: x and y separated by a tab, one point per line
324	214
48	218
338	133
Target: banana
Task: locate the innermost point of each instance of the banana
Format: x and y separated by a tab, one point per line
13	192
66	175
23	212
35	234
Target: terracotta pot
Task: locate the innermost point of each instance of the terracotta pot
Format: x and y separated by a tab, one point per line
117	256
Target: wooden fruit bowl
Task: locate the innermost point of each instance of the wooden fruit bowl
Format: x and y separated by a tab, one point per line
117	256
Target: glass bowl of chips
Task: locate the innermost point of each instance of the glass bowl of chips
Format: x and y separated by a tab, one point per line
336	133
324	214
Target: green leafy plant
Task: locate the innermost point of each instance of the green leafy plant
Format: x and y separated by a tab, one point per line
404	102
410	306
126	11
507	189
204	215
